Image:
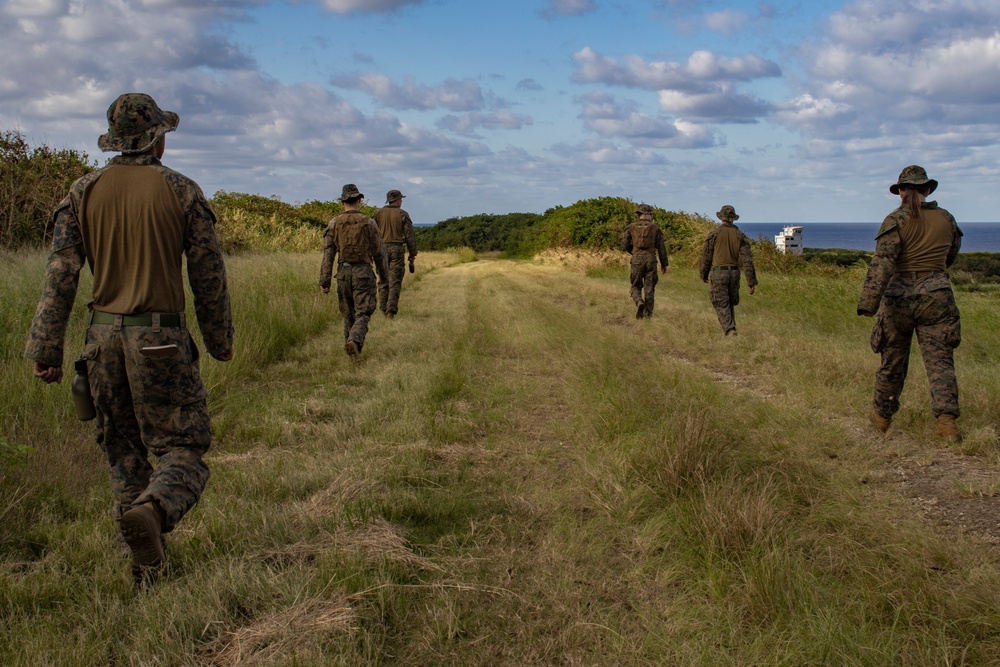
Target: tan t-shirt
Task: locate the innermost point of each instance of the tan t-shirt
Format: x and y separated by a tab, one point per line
727	246
924	243
133	234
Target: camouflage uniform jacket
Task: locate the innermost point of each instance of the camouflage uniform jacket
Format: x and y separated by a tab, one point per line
205	266
397	227
745	259
658	244
370	249
889	250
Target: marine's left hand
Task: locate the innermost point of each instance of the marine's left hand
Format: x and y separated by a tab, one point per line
47	374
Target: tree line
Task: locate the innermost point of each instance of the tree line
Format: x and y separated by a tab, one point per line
34	179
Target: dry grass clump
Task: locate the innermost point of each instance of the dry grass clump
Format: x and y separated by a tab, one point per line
583	261
340	491
273	639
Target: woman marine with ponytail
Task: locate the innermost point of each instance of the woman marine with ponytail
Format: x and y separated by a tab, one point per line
907	291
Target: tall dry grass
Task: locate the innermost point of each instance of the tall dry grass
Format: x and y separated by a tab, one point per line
518	472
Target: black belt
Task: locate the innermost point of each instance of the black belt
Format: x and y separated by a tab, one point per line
355	263
725	267
167	320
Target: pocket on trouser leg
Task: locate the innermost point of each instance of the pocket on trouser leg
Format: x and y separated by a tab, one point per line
953	333
878	337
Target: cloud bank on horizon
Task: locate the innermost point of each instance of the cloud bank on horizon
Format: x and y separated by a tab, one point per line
791	111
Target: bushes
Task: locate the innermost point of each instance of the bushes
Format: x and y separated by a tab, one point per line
32	183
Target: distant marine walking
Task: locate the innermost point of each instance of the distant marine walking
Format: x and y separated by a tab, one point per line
907	290
133	221
644	240
355	241
397	234
726	251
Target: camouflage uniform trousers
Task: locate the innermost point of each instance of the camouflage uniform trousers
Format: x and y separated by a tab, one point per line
724	292
150	405
644	278
357	294
388	293
933	315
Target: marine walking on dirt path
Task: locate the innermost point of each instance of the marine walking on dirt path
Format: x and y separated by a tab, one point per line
355	241
399	239
133	221
726	252
644	240
907	290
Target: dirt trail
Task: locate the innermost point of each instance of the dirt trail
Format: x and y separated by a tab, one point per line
957	492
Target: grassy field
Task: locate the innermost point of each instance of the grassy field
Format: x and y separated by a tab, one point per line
517	473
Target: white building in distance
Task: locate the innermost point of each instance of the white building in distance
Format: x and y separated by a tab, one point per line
789	240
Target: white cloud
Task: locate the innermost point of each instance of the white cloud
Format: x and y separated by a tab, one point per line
452	94
365	6
557	8
701	69
467	124
604	116
728	21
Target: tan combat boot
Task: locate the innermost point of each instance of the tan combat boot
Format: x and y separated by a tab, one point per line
948	429
141	529
880	423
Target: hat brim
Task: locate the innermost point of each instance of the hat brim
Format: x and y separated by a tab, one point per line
140	143
733	217
894	188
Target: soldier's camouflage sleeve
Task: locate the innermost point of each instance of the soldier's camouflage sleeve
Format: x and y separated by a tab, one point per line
206	267
627	239
661	248
746	261
883	266
409	235
956	242
329	253
62	279
379	255
707	253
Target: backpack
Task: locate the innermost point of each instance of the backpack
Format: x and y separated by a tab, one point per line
351	243
643	236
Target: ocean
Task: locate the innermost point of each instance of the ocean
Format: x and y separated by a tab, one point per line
977	236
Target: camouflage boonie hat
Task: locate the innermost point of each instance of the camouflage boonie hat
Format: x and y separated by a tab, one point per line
913	175
350	191
393	195
727	213
135	122
644	208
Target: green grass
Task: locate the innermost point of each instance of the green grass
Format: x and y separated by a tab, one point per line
516	473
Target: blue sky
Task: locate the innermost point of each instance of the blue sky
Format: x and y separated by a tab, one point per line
790	111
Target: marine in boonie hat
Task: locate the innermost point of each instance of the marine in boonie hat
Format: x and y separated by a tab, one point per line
135	122
350	191
644	208
727	214
393	195
914	175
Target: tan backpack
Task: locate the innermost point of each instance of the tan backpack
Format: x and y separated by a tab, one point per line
643	235
351	243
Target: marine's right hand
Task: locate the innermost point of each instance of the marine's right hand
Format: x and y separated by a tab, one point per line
224	356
